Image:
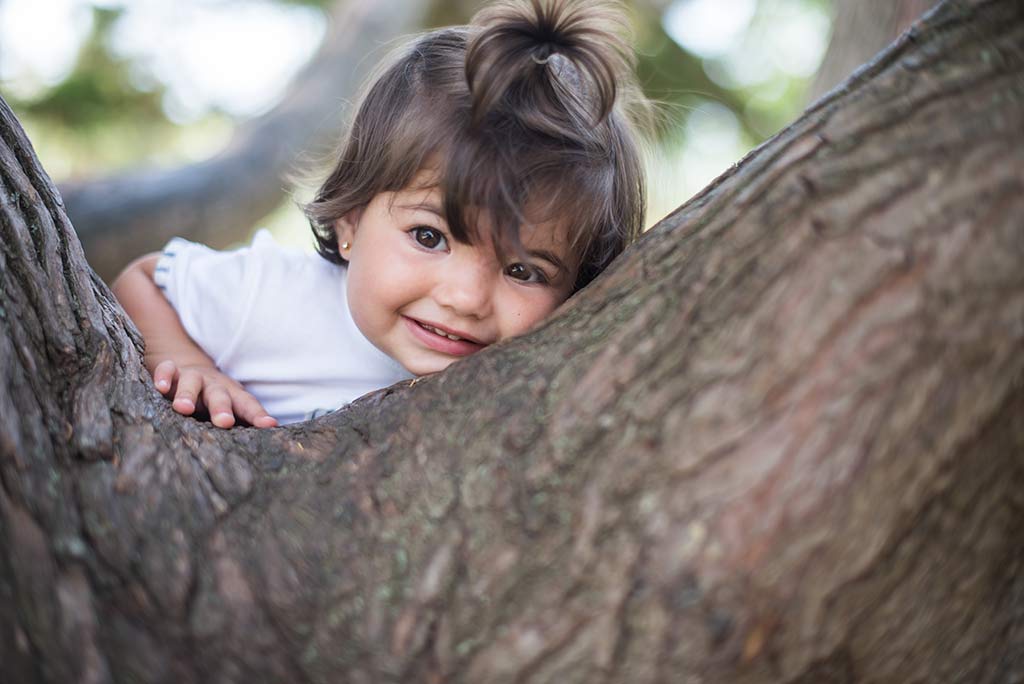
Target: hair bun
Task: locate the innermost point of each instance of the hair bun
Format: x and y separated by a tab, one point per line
544	61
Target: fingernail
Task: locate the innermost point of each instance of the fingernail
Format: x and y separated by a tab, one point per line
163	384
184	403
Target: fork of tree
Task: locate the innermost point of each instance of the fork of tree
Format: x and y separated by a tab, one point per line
780	440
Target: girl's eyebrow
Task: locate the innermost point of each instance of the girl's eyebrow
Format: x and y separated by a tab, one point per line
431	207
549	257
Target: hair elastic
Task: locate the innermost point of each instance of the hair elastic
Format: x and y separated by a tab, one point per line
541	61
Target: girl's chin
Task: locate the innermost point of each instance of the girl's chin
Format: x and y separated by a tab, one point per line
428	366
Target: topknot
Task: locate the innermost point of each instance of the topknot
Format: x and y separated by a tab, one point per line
548	63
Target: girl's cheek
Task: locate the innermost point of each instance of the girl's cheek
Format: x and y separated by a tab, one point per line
530	311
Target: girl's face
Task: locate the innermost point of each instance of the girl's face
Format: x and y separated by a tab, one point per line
426	300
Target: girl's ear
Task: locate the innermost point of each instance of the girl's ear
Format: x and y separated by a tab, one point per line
345	230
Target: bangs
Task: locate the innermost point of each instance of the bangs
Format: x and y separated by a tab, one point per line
494	181
491	190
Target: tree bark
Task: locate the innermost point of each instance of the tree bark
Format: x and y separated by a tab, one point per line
219	200
860	28
779	441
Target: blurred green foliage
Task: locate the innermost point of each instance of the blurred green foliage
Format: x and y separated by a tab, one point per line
99	91
107	113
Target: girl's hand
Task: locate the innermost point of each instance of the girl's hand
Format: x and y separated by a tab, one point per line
204	387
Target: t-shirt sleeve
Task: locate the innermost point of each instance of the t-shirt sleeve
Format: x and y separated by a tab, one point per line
210	290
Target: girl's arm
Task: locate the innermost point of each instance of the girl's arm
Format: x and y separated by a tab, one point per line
179	366
155	318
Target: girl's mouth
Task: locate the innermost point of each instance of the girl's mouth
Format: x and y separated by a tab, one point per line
440	340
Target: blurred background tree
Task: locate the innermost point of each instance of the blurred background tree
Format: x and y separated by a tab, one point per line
187	118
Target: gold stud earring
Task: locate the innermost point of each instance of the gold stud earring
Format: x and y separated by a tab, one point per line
345	246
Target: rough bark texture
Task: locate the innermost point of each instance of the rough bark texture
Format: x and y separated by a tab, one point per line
780	441
218	201
860	28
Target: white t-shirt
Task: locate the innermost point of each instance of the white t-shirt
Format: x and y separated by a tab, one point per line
275	319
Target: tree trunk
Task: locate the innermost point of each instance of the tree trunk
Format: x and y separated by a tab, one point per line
217	201
860	28
779	441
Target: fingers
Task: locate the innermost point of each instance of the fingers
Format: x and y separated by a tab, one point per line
163	376
225	402
218	403
186	396
249	409
196	389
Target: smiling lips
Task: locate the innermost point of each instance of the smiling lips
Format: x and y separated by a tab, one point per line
442	340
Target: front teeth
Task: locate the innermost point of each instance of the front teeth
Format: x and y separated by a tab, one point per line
440	332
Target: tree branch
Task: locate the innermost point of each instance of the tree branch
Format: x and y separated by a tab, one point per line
217	201
779	441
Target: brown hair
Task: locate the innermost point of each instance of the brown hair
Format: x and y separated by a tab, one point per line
527	111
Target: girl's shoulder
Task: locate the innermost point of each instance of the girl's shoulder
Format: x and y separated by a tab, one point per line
265	246
287	260
289	272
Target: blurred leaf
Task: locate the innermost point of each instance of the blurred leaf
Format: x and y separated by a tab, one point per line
99	91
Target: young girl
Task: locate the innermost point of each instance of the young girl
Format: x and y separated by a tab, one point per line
491	170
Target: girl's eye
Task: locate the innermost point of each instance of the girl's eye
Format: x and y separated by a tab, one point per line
525	273
431	238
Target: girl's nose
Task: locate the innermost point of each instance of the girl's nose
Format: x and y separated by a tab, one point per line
466	286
